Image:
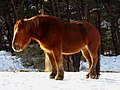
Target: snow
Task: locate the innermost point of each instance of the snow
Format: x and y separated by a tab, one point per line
107	63
111	63
72	80
8	62
105	24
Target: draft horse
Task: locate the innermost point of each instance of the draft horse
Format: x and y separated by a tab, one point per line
56	38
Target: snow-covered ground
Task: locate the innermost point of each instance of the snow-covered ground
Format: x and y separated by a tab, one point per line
72	80
107	64
8	62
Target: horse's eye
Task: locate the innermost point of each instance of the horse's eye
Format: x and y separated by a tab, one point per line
20	25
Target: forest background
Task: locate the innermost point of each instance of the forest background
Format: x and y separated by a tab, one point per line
105	14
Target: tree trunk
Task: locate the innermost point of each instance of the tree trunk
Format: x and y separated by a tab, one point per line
76	58
77	3
53	7
15	11
1	41
118	40
9	36
42	7
68	11
118	36
58	10
47	64
114	38
85	10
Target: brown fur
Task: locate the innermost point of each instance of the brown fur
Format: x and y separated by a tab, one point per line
56	38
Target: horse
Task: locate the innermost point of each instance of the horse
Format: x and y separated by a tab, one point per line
57	38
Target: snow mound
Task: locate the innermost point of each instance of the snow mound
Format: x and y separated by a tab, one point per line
8	62
107	64
111	63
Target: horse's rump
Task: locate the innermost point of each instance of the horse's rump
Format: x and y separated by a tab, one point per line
77	35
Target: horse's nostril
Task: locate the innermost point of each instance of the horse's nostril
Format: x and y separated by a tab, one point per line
17	47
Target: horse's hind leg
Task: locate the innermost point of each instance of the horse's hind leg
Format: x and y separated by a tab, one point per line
53	64
93	50
86	55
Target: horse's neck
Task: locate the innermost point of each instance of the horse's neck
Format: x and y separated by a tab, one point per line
36	34
34	23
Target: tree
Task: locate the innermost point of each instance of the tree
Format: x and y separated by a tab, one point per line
110	13
98	12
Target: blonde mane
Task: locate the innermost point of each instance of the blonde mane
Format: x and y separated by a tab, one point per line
34	21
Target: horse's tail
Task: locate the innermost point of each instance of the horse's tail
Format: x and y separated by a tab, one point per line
98	64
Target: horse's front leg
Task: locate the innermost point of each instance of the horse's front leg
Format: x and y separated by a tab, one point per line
53	64
59	62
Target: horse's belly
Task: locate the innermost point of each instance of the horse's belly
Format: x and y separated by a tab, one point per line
70	52
72	48
73	41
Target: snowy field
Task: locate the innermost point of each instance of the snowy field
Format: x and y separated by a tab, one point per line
72	80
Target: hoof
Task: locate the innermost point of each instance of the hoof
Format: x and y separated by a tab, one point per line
94	76
87	76
52	76
59	78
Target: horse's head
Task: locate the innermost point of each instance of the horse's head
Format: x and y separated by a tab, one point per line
21	35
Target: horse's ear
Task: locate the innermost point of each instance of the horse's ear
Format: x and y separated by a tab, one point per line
22	20
21	24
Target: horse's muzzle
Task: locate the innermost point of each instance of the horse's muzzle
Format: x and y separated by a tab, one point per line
16	48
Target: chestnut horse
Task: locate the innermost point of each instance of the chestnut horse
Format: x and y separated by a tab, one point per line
56	38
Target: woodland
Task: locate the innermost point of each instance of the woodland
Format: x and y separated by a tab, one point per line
105	14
